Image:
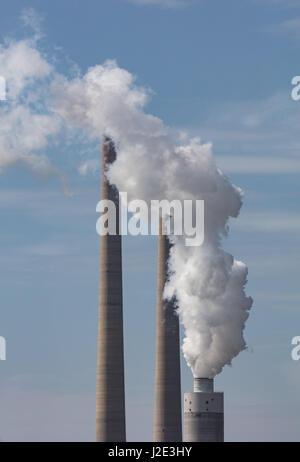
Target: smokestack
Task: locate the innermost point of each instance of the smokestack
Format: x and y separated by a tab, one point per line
110	397
203	413
167	407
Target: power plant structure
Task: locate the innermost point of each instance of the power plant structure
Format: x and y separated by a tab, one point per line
110	395
203	408
167	404
203	413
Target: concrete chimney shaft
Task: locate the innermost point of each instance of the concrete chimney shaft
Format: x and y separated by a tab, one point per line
167	406
110	395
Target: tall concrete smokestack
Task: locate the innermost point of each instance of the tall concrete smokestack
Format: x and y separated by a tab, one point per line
167	407
110	397
203	413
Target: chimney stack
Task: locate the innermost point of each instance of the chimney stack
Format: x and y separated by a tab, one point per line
203	413
167	412
110	397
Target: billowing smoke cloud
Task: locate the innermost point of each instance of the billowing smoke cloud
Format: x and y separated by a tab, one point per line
207	282
209	285
151	164
26	124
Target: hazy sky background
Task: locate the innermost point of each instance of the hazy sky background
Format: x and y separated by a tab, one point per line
220	70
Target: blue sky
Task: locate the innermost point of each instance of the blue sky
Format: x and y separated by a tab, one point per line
221	71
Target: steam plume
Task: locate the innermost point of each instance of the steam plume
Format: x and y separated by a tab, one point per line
152	164
26	124
208	282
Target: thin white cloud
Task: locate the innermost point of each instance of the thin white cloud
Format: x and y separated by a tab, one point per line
26	125
284	3
279	297
47	203
41	415
274	266
291	26
270	222
22	65
162	3
32	19
266	165
256	137
91	166
290	370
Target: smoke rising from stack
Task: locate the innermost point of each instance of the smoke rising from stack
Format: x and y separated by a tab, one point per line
110	396
207	282
167	397
28	126
204	413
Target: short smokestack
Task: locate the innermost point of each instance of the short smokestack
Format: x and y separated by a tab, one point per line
203	413
203	385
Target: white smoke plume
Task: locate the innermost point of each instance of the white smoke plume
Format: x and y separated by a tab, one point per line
208	283
151	164
26	124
